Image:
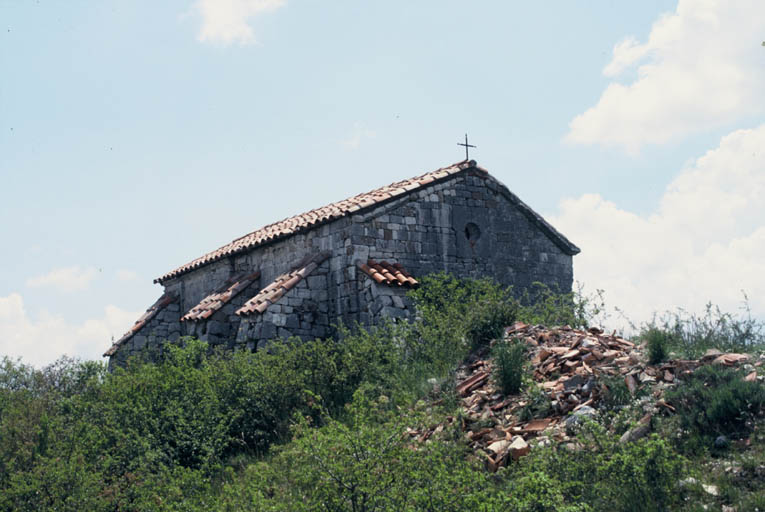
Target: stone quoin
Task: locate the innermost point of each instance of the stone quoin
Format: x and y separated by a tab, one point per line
353	261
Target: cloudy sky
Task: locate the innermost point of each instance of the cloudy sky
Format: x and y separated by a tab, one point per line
136	136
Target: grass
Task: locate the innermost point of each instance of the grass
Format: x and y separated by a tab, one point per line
510	362
690	335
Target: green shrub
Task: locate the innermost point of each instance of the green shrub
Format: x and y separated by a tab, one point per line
536	491
452	314
540	304
364	464
603	475
693	334
132	439
509	363
615	392
488	320
641	476
538	404
715	400
658	342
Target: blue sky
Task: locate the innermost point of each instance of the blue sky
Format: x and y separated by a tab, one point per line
136	136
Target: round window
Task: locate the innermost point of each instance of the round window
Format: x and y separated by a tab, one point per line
472	232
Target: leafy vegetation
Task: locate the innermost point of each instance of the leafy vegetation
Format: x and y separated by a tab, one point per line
602	474
690	335
717	401
323	424
509	359
658	342
542	305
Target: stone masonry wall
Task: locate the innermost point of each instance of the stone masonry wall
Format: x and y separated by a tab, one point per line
468	226
380	301
302	312
222	326
164	326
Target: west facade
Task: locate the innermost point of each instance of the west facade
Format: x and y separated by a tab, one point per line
353	261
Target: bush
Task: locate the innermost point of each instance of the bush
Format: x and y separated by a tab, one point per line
604	475
615	392
509	362
716	400
538	404
154	436
693	334
540	304
453	315
487	322
364	464
658	342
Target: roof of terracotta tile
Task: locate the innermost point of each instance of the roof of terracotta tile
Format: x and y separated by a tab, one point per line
388	273
216	300
164	300
281	285
330	212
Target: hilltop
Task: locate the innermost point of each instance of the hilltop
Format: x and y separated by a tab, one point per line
474	405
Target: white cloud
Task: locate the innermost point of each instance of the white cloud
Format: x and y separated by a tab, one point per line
228	21
69	279
701	67
705	242
126	275
359	133
47	337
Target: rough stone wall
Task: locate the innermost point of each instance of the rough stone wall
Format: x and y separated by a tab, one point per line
468	226
378	301
303	311
164	326
222	326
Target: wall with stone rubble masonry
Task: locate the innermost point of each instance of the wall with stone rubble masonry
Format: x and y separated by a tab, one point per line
426	231
378	301
164	326
303	312
222	326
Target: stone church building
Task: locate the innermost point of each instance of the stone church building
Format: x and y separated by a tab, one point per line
353	261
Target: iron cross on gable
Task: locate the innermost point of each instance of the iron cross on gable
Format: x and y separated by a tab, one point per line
467	157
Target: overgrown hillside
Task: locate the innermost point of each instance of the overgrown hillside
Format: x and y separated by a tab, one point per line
390	420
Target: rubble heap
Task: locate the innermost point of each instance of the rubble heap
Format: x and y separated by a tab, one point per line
570	367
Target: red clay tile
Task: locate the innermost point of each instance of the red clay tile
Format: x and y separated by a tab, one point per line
216	300
388	273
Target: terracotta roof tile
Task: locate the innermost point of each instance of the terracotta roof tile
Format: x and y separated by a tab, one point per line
327	213
281	285
166	299
388	273
216	300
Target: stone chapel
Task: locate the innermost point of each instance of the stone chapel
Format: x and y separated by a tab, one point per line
353	261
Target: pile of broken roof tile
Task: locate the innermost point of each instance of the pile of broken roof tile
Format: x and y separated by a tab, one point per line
568	365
